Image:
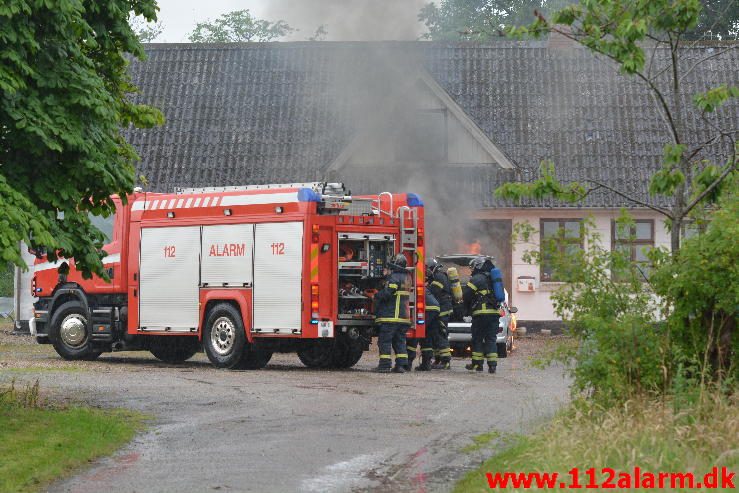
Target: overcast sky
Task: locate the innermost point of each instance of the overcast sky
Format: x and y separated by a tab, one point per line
345	20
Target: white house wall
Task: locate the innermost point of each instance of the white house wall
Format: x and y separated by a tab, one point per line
537	305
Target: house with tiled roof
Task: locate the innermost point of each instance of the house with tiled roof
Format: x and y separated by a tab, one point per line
450	121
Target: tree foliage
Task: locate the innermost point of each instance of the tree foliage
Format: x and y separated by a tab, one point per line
648	330
646	40
64	101
719	19
476	20
146	31
239	26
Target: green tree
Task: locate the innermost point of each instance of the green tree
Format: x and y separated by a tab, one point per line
647	40
64	101
239	26
719	19
146	31
320	33
477	20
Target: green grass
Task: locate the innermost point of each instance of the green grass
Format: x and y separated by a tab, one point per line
482	440
652	435
40	443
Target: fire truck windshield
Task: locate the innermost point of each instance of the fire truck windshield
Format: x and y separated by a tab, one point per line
104	224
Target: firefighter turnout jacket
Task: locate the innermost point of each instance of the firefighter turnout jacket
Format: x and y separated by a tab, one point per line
478	296
432	312
440	288
391	302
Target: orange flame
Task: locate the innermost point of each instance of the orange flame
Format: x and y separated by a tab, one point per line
474	248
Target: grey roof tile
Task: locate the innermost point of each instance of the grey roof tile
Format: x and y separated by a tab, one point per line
282	112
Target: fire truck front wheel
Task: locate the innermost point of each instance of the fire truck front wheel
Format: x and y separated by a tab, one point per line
69	333
224	338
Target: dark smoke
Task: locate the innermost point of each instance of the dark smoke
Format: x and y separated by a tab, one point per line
397	128
350	20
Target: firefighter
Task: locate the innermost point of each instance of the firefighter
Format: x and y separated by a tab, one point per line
432	327
391	310
438	285
480	303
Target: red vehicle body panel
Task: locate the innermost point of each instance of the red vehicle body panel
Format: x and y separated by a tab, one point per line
156	210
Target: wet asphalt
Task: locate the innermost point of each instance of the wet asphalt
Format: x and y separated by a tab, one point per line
288	428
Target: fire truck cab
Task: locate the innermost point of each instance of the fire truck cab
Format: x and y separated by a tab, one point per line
240	272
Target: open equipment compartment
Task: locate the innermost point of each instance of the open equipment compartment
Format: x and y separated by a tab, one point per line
362	259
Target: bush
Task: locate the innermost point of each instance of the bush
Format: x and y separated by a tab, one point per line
662	328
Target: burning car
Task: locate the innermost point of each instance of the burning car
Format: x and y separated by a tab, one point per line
460	328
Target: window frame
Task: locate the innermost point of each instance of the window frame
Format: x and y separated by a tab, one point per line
562	242
632	241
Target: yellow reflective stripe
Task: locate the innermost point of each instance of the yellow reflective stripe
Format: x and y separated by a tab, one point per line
484	291
486	311
475	353
424	349
403	293
437	284
392	285
401	355
397	305
470	285
386	356
492	356
390	319
432	308
445	351
444	314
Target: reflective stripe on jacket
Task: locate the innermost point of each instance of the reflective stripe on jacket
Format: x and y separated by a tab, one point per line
478	297
391	302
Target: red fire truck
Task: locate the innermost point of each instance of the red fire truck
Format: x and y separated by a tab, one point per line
241	272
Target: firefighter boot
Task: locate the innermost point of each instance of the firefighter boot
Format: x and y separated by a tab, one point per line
492	362
399	368
385	364
445	360
425	365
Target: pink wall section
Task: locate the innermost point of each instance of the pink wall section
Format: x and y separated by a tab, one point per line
537	305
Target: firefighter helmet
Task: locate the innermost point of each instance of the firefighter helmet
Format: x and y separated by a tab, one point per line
477	263
399	262
432	265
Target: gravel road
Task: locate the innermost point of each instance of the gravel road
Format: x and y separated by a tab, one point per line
288	428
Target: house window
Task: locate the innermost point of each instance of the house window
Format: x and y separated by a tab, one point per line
558	237
635	241
424	139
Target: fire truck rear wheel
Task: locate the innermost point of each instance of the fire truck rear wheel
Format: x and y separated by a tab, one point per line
224	339
70	334
254	358
347	353
320	354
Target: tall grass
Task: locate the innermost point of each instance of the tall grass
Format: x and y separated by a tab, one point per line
655	435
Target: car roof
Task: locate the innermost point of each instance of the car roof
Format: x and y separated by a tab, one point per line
461	258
